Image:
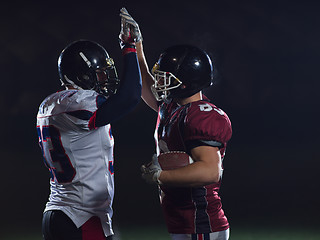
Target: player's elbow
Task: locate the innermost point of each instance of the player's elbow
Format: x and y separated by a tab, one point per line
206	179
130	101
211	177
208	174
214	178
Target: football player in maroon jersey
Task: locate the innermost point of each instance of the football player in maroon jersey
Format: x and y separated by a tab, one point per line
187	122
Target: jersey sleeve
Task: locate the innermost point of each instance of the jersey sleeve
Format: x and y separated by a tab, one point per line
82	108
70	109
205	124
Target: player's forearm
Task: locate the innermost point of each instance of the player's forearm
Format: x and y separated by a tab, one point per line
127	96
147	78
130	86
194	175
142	60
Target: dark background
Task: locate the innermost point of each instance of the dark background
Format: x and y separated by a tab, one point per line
266	55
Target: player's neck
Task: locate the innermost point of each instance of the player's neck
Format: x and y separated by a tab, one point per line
193	98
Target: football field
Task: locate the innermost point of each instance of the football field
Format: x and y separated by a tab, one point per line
159	233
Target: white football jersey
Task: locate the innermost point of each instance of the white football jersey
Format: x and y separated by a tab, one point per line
79	158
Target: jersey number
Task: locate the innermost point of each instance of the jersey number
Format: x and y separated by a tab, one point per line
54	155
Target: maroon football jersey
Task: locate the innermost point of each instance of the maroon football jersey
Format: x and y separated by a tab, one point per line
180	128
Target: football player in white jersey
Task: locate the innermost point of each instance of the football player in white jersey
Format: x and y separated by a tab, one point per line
76	140
188	126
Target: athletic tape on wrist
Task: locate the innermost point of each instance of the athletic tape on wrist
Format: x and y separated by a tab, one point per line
128	50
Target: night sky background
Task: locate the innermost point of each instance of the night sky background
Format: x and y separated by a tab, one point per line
266	56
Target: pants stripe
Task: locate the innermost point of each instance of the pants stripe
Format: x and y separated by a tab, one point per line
202	236
92	230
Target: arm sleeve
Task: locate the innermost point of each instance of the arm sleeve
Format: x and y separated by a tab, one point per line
126	98
207	129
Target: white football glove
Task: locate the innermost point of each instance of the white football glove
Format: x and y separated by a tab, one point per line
130	31
151	172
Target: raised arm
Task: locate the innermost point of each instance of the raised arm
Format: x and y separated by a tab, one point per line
132	30
128	94
147	79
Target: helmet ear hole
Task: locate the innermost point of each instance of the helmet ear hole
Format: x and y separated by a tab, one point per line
85	77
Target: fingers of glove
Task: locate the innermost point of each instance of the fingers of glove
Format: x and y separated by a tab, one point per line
151	177
127	17
148	169
129	21
147	176
124	12
148	165
129	28
152	167
129	34
143	169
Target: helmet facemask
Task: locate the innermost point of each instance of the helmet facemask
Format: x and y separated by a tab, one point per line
180	72
107	81
164	82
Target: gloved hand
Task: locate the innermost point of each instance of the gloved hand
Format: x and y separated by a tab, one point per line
151	172
130	32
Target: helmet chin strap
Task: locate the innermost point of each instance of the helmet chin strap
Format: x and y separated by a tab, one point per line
167	100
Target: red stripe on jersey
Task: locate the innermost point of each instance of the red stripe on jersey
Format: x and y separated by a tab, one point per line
92	230
92	121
